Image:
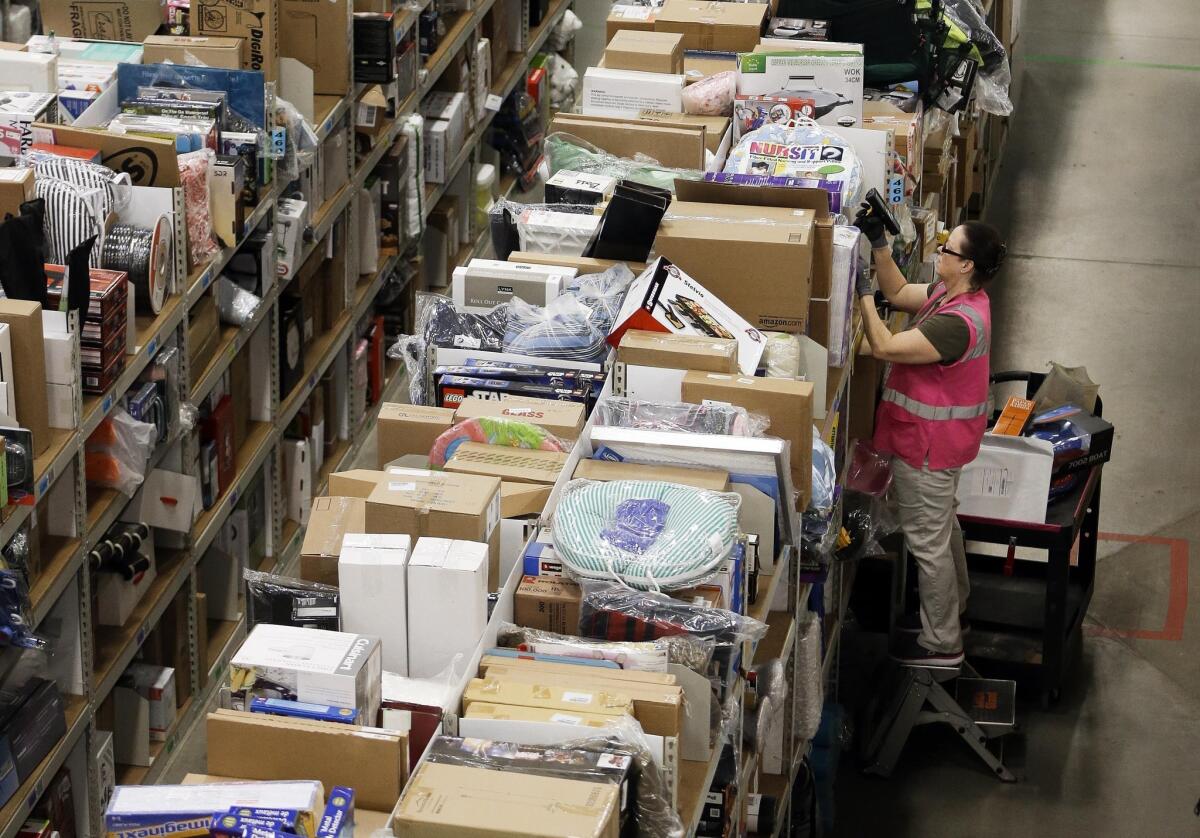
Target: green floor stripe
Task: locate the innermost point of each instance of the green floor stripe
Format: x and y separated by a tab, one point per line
1068	59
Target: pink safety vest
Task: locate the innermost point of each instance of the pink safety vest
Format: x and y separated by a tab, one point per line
938	412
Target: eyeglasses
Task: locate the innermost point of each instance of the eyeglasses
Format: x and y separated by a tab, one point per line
941	248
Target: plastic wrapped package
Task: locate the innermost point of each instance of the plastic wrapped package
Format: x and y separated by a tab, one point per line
116	188
695	653
995	75
711	96
810	681
555	231
563	330
824	478
564	81
603	293
781	355
493	430
195	175
117	452
72	215
647	534
869	471
729	420
414	188
236	305
846	264
803	153
611	611
566	151
865	520
300	142
285	601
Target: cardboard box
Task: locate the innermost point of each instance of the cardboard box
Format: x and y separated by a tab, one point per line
373	761
255	22
548	603
615	674
447	602
625	17
443	801
147	810
582	264
302	664
717	130
711	230
549	696
515	713
682	352
318	33
187	49
585	189
563	419
16	187
329	519
1008	480
657	299
623	93
155	684
24	321
909	130
373	586
518	500
713	26
648	52
702	478
149	161
786	402
445	127
831	79
484	284
679	145
519	465
103	20
410	429
18	113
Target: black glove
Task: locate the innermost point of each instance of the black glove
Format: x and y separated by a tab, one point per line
862	282
871	227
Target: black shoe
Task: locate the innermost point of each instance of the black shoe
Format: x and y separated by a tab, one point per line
911	623
908	652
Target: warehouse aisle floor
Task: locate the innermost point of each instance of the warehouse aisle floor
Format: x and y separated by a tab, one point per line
1098	199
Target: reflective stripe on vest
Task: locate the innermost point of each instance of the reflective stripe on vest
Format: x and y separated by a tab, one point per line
933	412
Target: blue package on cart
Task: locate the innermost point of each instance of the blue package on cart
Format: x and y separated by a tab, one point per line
304	710
337	821
541	560
290	820
245	826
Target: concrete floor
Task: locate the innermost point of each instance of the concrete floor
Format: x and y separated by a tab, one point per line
1098	201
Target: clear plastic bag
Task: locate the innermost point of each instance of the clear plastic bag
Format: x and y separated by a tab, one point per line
493	430
300	143
995	75
680	417
695	653
782	355
603	293
236	305
647	534
869	471
711	96
285	601
824	477
611	611
566	151
195	175
117	452
563	330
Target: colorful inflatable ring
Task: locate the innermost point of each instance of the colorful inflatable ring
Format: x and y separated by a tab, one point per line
497	430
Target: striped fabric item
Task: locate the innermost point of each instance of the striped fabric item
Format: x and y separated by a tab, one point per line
71	217
113	193
647	534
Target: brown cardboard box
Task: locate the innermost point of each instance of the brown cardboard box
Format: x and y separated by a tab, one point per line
16	187
617	675
24	321
150	161
446	801
513	712
333	278
204	335
528	693
186	49
714	26
864	396
366	821
318	34
701	478
520	499
701	65
519	465
680	145
909	129
372	761
677	352
239	388
255	22
549	603
658	707
786	402
563	419
104	20
410	429
357	482
648	52
583	264
622	17
716	128
329	519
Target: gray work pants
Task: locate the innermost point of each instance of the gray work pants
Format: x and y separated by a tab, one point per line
927	517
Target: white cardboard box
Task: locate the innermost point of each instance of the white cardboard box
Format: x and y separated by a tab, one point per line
485	283
447	602
29	72
60	402
626	93
167	500
299	474
19	111
1008	480
103	775
832	80
156	684
116	598
289	229
372	578
445	127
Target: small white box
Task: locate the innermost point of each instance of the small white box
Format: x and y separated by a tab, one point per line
60	401
626	93
372	579
567	187
483	74
234	537
484	283
289	231
556	233
116	598
447	602
156	684
33	72
18	112
299	477
445	128
62	357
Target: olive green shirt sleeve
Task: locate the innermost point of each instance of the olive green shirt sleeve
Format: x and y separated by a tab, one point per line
949	335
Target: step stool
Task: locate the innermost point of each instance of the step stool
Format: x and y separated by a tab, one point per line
982	709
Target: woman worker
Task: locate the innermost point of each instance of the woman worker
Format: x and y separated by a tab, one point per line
932	415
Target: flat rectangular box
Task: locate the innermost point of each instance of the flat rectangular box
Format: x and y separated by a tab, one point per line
713	26
582	264
624	93
583	189
24	321
373	593
682	352
649	52
555	697
623	16
713	480
212	51
371	760
563	419
548	603
484	284
614	674
323	667
17	114
329	520
156	684
679	145
443	801
1009	480
254	22
187	810
410	429
519	465
516	713
832	80
447	602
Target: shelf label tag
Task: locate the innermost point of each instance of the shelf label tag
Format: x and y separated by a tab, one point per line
493	102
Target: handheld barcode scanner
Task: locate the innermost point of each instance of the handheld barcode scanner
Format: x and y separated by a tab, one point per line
879	208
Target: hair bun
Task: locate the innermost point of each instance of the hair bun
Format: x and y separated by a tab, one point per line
1001	252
